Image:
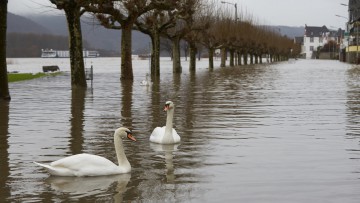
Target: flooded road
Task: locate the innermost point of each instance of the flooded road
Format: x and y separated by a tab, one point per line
286	132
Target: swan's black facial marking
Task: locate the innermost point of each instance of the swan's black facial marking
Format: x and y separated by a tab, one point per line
166	107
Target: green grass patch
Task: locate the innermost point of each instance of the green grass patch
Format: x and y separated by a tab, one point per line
15	77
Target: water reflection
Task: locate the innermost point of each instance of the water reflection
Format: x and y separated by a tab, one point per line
267	130
168	156
77	119
126	99
4	146
155	102
353	102
79	187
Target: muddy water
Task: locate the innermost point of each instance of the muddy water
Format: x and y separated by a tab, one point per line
285	132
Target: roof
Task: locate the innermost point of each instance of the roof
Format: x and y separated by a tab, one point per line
313	31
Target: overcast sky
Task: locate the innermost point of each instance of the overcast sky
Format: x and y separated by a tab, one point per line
272	12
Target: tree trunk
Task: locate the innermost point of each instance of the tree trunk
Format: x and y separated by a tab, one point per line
155	55
193	50
211	58
126	52
4	86
251	58
239	58
72	13
232	58
176	55
223	57
256	59
245	56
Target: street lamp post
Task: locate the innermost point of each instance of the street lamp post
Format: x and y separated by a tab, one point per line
348	37
235	5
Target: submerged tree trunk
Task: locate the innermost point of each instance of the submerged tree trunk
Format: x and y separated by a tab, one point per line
155	55
239	58
176	55
245	56
193	50
223	57
211	58
126	61
232	57
73	14
4	86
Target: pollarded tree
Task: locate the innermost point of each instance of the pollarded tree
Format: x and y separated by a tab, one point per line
153	23
195	11
185	9
4	87
210	37
123	15
73	11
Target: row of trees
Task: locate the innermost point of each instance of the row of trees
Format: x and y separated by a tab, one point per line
200	23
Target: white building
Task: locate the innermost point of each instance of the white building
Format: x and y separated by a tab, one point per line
314	37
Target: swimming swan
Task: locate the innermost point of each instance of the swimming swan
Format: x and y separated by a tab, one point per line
93	165
147	81
166	134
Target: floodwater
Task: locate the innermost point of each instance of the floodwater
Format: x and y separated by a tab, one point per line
285	132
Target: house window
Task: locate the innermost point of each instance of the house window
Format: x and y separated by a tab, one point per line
320	39
311	39
311	48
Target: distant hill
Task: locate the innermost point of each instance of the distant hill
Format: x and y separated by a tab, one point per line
21	24
96	35
107	41
290	32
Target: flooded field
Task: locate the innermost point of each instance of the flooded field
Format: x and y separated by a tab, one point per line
285	132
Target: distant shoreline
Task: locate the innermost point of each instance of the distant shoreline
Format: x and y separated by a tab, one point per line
16	77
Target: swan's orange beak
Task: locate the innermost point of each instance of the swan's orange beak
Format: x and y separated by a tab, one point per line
129	136
166	107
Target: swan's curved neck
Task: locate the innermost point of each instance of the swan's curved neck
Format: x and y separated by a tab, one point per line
120	154
169	126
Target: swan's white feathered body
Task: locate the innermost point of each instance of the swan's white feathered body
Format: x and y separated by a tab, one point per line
158	136
93	165
166	134
147	81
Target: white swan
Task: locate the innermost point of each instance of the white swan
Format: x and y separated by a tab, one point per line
147	81
93	165
166	134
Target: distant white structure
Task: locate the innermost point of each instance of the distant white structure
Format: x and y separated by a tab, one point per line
51	53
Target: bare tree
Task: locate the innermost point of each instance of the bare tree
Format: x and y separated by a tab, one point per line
210	36
123	15
73	11
194	26
153	23
4	87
